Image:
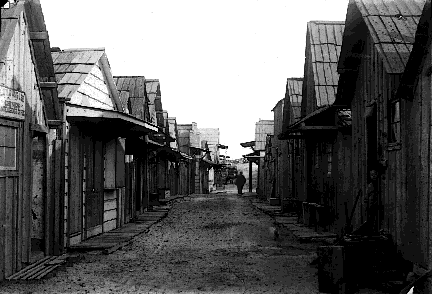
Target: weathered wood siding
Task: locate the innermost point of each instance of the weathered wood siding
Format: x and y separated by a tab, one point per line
17	72
414	184
93	91
374	84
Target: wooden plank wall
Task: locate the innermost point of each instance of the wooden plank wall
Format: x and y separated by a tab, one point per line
374	84
414	201
18	72
341	167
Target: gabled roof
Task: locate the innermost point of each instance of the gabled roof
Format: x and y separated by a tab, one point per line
73	66
40	48
324	38
415	64
135	86
391	25
294	96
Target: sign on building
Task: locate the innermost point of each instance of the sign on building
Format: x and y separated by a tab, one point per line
12	103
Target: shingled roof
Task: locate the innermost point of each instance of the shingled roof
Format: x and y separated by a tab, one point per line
137	100
325	41
420	50
294	93
75	67
392	26
153	91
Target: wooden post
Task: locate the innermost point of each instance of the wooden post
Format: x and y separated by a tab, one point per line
250	176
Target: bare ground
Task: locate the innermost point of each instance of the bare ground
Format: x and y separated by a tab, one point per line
217	243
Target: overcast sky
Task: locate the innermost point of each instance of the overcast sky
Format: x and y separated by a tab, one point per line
222	64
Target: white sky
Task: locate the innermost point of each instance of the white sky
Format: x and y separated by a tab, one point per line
222	64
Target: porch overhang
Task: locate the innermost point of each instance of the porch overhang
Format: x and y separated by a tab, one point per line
169	153
300	129
109	122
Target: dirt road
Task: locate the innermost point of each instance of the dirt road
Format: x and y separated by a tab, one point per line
217	243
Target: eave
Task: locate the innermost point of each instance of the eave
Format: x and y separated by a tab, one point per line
112	122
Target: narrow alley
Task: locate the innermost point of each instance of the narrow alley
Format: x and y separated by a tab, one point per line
214	243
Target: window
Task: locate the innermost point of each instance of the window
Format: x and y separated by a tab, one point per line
317	156
8	148
394	122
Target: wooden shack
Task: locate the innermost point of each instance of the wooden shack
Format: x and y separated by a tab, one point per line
409	174
280	148
173	168
292	181
376	45
132	91
94	153
318	126
262	129
29	211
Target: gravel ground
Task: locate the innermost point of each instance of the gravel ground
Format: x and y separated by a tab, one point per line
217	243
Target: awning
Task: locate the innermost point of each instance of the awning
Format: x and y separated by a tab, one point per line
169	153
109	122
300	127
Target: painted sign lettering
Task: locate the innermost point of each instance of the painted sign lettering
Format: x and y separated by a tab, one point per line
12	103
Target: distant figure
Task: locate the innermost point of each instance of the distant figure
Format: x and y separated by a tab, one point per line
240	181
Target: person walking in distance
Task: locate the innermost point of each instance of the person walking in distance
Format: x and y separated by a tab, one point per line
240	181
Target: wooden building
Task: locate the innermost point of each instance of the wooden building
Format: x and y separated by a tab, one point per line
280	149
193	173
291	160
319	123
262	129
376	45
30	213
410	166
173	168
132	91
95	125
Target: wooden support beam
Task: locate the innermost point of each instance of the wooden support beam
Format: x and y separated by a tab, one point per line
54	122
48	84
38	35
39	128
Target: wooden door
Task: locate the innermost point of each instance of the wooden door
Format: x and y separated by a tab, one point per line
10	196
38	197
93	200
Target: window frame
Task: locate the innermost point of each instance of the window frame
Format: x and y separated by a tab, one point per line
394	120
16	127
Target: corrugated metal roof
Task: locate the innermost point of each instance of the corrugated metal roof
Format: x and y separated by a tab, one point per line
294	92
325	38
392	26
72	67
